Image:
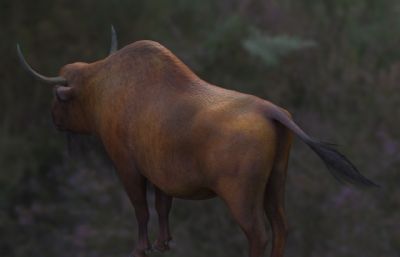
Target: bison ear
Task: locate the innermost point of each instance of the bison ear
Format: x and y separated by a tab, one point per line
63	93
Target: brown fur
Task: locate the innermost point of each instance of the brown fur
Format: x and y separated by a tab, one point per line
160	123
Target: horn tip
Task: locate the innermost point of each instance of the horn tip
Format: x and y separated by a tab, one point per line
114	41
113	32
20	55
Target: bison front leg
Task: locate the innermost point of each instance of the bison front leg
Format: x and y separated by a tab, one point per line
135	185
163	207
142	215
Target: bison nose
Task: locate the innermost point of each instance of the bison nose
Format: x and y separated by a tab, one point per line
58	126
56	122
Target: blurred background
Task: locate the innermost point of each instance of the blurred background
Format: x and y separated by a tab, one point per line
335	65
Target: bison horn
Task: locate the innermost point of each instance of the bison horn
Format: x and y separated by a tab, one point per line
48	80
114	41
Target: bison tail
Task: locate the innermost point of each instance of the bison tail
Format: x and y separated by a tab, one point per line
338	165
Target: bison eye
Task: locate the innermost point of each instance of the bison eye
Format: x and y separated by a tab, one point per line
63	93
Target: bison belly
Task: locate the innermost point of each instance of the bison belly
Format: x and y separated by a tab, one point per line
242	149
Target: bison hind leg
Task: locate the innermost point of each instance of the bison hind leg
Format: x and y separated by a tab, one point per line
275	193
244	196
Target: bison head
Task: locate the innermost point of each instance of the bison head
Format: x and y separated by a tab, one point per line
71	91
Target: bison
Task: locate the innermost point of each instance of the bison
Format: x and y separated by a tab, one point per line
160	123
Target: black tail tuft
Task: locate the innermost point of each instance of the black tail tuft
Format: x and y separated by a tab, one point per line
340	167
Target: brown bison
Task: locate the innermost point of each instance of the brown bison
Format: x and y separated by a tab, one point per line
161	123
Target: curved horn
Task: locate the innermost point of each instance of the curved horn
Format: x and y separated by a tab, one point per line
48	80
114	41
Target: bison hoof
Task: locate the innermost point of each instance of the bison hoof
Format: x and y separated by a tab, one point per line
161	245
138	253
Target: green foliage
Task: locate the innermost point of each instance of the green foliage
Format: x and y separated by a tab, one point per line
272	48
